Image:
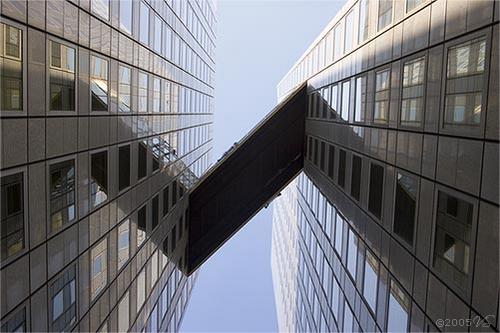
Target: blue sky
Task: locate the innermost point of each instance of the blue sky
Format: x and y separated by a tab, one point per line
257	43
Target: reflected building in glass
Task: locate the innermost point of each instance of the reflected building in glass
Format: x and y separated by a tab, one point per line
393	225
106	122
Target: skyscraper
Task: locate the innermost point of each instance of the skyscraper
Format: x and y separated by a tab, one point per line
393	223
106	120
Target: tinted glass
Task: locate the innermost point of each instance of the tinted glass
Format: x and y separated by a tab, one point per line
376	190
124	167
341	171
404	207
99	178
12	227
356	177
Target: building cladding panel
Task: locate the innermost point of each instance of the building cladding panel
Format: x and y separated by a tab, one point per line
396	221
106	122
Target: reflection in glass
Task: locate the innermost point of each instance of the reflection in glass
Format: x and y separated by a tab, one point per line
126	15
11	69
453	238
465	73
143	92
352	253
63	301
99	83
62	194
101	8
370	281
99	178
384	13
413	92
12	224
123	242
62	77
404	207
381	113
124	89
144	23
399	307
98	268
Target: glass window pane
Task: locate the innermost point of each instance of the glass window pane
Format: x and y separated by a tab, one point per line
99	83
124	90
123	243
356	177
143	92
349	31
157	33
399	306
141	225
141	289
126	15
99	178
453	239
345	100
98	266
352	253
384	13
376	190
341	170
124	167
62	77
405	207
11	84
359	107
467	58
338	49
123	313
370	281
12	227
339	226
364	15
144	23
62	194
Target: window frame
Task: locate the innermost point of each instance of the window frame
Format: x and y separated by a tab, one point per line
24	52
21	252
466	130
378	121
48	67
50	297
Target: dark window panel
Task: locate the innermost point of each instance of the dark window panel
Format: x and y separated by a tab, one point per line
12	227
376	190
99	178
341	171
142	160
165	200
331	160
123	167
155	218
404	207
62	194
322	156
356	176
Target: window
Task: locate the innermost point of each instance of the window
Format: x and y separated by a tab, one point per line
173	237
399	307
124	90
349	31
376	190
339	225
123	167
331	159
141	225
165	201
352	253
166	97
384	13
157	32
334	102
338	45
345	100
464	83
356	176
16	323
99	83
142	168
154	268
126	15
155	152
62	194
124	313
174	192
63	301
62	77
364	15
144	23
98	268
123	243
156	94
348	318
453	238
155	219
413	92
412	4
143	92
12	228
101	8
11	61
341	171
99	178
381	114
370	281
322	156
360	98
404	207
141	289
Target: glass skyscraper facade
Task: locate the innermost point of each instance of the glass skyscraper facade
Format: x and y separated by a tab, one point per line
393	224
106	122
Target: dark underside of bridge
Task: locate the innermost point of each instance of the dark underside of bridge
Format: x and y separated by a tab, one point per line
246	179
